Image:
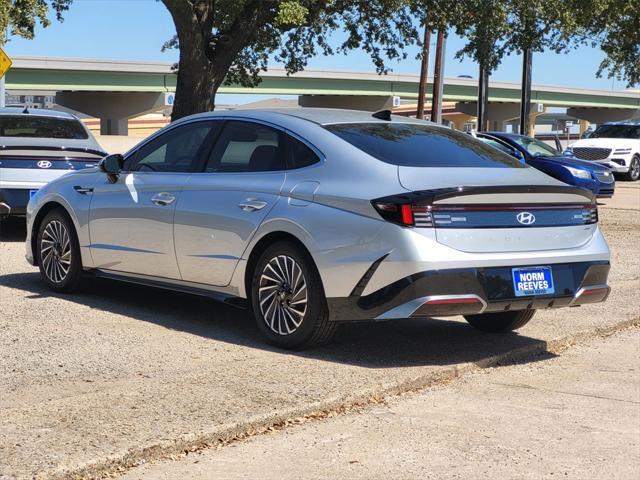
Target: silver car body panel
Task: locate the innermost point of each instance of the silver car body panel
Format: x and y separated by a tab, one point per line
204	239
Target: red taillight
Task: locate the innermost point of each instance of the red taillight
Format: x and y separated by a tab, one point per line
405	214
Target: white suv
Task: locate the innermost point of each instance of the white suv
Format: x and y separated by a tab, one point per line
615	145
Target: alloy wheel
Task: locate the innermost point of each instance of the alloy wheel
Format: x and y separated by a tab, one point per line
635	169
55	251
282	294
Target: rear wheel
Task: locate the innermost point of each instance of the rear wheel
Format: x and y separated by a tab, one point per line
500	321
58	252
634	170
288	299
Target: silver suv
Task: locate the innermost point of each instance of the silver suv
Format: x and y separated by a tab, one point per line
312	217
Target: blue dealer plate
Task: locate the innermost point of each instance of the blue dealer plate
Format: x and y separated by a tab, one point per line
532	281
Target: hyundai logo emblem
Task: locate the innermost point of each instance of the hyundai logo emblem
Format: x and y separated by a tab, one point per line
526	218
44	164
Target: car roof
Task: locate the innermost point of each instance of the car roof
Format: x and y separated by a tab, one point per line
320	116
36	112
505	134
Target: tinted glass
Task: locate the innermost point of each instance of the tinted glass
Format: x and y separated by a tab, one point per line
496	144
616	131
41	127
247	147
300	154
174	151
415	145
536	147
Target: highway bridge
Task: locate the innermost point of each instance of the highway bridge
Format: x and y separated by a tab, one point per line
114	90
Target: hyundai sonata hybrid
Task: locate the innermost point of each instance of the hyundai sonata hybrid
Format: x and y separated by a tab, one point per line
312	217
37	146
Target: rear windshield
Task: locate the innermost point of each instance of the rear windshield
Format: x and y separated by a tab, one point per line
41	127
415	145
616	131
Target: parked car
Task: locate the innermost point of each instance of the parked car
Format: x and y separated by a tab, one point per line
313	217
615	145
37	146
545	158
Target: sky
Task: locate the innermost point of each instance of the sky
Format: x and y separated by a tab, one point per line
136	30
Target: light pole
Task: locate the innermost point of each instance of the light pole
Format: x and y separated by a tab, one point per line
424	72
525	92
483	93
438	80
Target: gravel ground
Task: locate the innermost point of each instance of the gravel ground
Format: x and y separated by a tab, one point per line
576	416
105	374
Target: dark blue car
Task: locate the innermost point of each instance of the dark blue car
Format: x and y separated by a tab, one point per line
547	159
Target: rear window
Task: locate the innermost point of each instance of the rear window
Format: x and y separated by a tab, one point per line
415	145
41	127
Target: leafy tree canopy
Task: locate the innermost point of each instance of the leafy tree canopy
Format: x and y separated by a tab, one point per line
19	17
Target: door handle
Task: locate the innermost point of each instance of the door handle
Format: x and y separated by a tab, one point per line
252	204
163	199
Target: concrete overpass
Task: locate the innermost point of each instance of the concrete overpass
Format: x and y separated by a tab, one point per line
117	90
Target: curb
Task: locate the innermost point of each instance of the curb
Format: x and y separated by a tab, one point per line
171	450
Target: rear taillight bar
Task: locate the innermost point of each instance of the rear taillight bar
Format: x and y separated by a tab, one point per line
500	216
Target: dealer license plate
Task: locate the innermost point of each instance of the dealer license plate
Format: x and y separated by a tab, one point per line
532	281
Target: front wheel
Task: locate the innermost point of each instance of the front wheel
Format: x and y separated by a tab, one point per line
634	170
288	298
58	252
500	322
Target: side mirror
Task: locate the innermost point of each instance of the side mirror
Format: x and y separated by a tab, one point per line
518	154
112	165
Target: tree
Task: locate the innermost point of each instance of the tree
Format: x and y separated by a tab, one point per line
498	28
614	26
19	17
232	40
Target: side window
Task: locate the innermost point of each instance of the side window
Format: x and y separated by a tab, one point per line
300	155
247	147
174	151
498	145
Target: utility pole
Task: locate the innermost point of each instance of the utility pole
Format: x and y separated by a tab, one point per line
525	93
483	94
3	39
2	93
424	72
438	80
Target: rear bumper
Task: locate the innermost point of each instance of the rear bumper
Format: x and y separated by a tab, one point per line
471	291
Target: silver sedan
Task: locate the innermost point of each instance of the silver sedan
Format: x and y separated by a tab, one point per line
312	217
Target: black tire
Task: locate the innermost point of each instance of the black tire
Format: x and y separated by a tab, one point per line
634	170
500	322
57	248
282	303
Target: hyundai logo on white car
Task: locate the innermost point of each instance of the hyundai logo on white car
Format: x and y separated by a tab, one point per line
526	218
44	164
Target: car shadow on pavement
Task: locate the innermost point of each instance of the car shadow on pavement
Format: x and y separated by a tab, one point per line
398	343
13	230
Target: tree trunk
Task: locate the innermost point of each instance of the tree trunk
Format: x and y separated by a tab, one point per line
202	68
196	86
